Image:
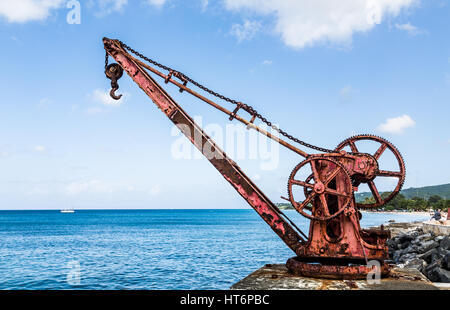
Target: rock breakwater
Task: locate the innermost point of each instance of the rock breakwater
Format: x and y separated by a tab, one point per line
425	251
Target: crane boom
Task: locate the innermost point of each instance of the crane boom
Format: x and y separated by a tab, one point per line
269	212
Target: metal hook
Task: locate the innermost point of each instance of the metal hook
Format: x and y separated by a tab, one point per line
113	91
114	72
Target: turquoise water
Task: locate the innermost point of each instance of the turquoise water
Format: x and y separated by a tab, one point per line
151	249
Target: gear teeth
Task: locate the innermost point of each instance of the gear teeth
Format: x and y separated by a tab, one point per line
399	158
298	167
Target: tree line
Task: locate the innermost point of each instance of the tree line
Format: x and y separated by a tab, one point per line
400	202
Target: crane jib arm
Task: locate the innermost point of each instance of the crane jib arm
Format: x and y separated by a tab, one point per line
227	167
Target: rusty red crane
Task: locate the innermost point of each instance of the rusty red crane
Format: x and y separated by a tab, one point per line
336	246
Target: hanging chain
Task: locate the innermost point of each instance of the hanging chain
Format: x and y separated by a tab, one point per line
106	60
245	107
113	72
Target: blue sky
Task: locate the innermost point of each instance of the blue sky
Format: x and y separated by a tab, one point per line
322	71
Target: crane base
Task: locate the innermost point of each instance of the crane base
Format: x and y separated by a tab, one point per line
277	277
339	269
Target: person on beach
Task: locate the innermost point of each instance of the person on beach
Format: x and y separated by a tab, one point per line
437	215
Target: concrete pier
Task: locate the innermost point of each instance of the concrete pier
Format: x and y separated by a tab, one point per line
441	228
277	277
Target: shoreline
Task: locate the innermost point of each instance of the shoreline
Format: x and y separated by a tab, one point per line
418	213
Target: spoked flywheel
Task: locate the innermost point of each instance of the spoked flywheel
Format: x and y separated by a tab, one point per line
323	196
384	146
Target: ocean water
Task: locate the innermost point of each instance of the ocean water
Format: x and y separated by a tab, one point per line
137	249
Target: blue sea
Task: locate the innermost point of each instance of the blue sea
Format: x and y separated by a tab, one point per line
141	249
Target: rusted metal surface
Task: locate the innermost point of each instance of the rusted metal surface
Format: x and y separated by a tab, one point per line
114	72
336	245
321	190
332	270
335	234
383	146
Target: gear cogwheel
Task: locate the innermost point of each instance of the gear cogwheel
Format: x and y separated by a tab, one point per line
384	145
320	188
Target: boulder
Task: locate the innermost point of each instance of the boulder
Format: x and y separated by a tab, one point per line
416	263
427	256
406	257
424	237
439	238
427	245
397	254
393	244
411	249
439	254
446	261
445	243
405	238
404	245
444	275
432	273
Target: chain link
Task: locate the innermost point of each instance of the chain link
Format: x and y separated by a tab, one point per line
245	107
106	60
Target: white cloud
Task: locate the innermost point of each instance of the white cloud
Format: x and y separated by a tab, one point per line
93	186
256	177
410	29
98	187
106	7
4	151
303	23
155	190
38	191
40	149
447	78
246	31
103	97
94	111
160	3
157	3
346	93
267	62
204	4
23	11
44	103
16	39
397	125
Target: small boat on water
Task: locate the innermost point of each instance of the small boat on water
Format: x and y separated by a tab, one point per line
68	211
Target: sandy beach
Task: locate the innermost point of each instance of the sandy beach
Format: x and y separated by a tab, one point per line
418	213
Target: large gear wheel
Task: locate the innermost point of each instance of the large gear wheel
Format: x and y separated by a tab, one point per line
401	174
318	186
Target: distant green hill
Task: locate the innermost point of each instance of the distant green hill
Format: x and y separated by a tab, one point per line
284	206
422	192
426	192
